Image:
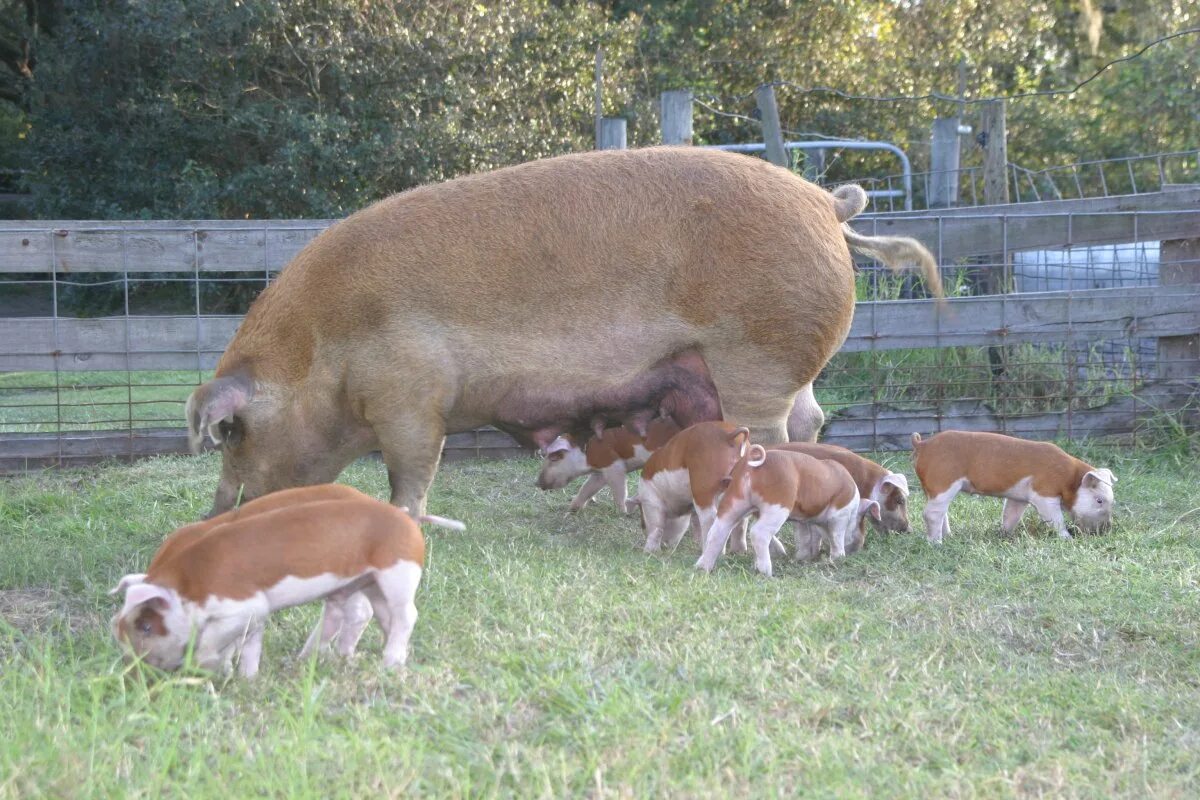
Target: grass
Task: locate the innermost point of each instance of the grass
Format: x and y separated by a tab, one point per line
554	659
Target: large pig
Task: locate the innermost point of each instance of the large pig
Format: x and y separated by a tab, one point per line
552	296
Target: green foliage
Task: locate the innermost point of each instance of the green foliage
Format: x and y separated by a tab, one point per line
298	109
314	108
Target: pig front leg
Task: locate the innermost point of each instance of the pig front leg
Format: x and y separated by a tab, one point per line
594	483
614	476
1013	509
1050	510
412	448
808	541
251	652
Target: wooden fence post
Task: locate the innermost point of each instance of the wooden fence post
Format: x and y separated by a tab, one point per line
676	116
772	130
599	92
612	134
943	168
994	140
1179	264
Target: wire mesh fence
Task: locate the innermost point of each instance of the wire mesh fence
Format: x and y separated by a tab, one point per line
1113	177
1054	328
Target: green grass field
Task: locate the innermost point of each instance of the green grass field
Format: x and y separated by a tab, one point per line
553	659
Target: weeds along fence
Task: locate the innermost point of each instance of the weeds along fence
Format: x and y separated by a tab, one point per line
1066	319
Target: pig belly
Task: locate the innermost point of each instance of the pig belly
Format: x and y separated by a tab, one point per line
679	386
293	591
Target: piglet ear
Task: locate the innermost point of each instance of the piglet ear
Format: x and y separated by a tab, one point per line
898	480
1098	476
126	582
869	507
157	597
561	443
725	482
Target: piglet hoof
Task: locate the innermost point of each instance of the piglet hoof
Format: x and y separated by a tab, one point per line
1065	535
651	548
704	566
777	548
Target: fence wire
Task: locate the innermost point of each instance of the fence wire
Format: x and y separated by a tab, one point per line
1055	329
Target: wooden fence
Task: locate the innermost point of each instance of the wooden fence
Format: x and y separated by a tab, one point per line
1169	311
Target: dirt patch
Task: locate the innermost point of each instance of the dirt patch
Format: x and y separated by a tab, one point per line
35	611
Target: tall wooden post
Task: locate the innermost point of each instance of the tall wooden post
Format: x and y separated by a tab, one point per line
995	152
943	167
676	116
612	134
599	89
1179	264
772	130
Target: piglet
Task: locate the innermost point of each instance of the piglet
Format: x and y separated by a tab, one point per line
343	622
220	589
685	479
888	489
779	485
1022	472
605	459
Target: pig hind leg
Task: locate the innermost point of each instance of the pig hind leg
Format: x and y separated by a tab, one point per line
393	597
936	523
806	418
762	535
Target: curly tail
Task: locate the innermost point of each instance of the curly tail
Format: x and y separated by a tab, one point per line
757	456
916	440
848	201
897	253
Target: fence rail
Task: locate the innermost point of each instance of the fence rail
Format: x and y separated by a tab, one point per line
1082	361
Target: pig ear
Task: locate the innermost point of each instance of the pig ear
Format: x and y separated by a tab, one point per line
725	482
215	402
898	480
561	443
1098	476
127	581
157	597
869	507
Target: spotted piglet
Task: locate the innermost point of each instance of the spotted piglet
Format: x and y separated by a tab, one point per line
606	460
779	485
685	476
220	589
1024	473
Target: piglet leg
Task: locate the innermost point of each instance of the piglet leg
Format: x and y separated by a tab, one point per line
394	600
251	652
762	535
593	484
614	476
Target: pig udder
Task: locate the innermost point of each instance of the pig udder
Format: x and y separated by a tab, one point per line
679	387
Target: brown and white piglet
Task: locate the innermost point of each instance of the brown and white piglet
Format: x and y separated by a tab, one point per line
220	589
343	622
1024	473
685	475
819	496
605	459
874	481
